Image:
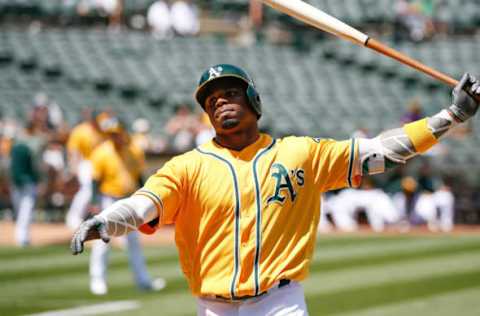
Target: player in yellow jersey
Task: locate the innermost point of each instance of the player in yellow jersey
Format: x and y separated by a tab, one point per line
117	166
82	141
246	206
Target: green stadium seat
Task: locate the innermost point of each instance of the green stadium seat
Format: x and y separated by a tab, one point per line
312	92
6	56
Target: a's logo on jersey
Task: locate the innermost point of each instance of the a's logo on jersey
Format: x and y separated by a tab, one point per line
215	72
283	183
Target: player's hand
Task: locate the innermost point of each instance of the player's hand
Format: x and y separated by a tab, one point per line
94	228
466	96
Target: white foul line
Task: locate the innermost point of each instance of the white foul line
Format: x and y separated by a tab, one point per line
96	309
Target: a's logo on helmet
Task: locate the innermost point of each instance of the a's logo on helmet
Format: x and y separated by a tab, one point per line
214	72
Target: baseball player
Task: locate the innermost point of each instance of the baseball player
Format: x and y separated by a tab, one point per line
378	206
82	141
436	207
117	165
25	173
246	206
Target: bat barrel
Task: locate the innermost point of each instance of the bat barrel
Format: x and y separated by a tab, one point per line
317	18
321	20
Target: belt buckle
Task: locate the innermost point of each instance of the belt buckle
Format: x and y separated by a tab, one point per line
281	283
239	298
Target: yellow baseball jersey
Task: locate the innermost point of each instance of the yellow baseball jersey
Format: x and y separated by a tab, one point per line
118	172
84	138
247	219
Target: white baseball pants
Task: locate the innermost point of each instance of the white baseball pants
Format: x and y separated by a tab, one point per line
23	200
78	208
437	209
377	204
442	201
445	202
99	256
288	300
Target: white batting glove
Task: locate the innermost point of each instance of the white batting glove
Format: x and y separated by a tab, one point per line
466	96
93	228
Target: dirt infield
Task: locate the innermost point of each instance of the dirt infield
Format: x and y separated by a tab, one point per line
58	233
50	234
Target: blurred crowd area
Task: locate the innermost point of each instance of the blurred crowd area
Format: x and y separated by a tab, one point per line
163	18
46	135
247	20
430	191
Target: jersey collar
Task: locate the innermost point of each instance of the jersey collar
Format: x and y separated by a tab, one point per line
246	154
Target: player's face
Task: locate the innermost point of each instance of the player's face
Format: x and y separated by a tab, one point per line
228	108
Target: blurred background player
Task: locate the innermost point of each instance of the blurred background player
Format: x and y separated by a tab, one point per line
435	202
82	141
25	175
117	166
141	134
205	130
426	199
185	17
168	18
182	128
377	205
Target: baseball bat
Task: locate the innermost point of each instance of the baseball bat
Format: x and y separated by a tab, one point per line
323	21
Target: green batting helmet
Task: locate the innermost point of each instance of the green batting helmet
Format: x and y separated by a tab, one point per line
228	71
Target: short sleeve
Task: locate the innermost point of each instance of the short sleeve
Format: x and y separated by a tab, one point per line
166	188
333	163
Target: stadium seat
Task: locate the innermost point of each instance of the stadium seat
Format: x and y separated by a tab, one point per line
328	91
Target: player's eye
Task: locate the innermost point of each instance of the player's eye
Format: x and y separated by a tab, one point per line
231	93
211	102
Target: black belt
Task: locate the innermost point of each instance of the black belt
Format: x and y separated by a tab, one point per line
281	283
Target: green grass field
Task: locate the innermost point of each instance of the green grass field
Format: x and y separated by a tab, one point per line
374	275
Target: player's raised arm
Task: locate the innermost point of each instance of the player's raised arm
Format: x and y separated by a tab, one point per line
120	218
398	145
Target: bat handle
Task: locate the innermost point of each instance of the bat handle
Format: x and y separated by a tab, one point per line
404	59
466	88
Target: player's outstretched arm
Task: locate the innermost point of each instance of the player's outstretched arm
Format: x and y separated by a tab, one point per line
120	218
398	145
